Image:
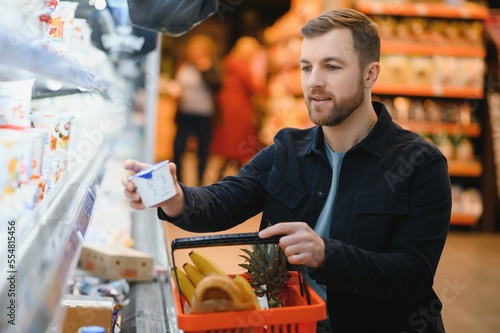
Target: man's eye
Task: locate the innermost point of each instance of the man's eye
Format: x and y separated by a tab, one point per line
306	68
332	67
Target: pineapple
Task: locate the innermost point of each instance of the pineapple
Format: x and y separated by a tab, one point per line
268	275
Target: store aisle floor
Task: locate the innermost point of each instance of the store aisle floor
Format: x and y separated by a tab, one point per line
468	282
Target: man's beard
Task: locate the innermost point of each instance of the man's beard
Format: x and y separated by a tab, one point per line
340	110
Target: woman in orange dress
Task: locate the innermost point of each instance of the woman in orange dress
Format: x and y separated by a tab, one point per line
235	140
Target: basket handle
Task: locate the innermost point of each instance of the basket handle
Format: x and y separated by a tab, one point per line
233	239
221	240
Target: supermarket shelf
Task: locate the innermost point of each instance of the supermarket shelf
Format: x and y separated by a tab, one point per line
464	219
40	94
36	59
47	254
401	89
465	169
424	49
472	130
466	11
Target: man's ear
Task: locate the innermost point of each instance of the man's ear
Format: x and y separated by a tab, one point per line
372	71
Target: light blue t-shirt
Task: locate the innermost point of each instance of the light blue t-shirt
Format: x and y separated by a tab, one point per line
322	227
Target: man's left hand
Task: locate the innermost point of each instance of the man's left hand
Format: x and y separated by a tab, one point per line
301	244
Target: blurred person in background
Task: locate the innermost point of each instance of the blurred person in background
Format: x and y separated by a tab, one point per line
199	79
235	140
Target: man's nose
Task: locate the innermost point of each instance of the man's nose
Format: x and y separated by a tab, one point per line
316	79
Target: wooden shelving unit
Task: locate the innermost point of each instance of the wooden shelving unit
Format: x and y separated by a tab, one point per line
472	130
398	89
464	219
465	169
466	11
415	48
423	49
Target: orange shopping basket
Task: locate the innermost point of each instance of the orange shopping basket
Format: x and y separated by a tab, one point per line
304	307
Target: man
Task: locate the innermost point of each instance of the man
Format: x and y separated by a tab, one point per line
364	204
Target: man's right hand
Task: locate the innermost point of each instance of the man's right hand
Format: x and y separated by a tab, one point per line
172	207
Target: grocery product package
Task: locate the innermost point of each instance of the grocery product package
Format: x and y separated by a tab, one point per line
83	310
113	262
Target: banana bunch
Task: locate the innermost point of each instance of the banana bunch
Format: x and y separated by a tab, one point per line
207	288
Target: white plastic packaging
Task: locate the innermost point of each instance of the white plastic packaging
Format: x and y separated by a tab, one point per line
155	184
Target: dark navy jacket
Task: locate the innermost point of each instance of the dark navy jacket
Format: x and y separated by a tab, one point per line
389	224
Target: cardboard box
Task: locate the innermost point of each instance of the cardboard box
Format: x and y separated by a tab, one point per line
84	311
113	262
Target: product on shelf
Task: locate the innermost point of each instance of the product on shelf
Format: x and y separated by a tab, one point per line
85	310
466	201
15	102
62	133
113	262
60	30
429	32
41	137
432	71
19	189
55	159
450	125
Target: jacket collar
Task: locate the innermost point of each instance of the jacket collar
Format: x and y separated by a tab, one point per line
373	143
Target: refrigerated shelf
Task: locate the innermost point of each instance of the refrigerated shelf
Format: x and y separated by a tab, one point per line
46	254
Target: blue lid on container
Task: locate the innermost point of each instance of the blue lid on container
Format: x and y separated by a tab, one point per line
148	172
92	329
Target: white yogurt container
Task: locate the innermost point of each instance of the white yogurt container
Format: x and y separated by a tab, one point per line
52	124
40	139
155	184
15	102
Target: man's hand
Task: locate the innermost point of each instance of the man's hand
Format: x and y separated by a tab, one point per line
172	207
301	244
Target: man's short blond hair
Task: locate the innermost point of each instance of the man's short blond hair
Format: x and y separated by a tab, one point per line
364	31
